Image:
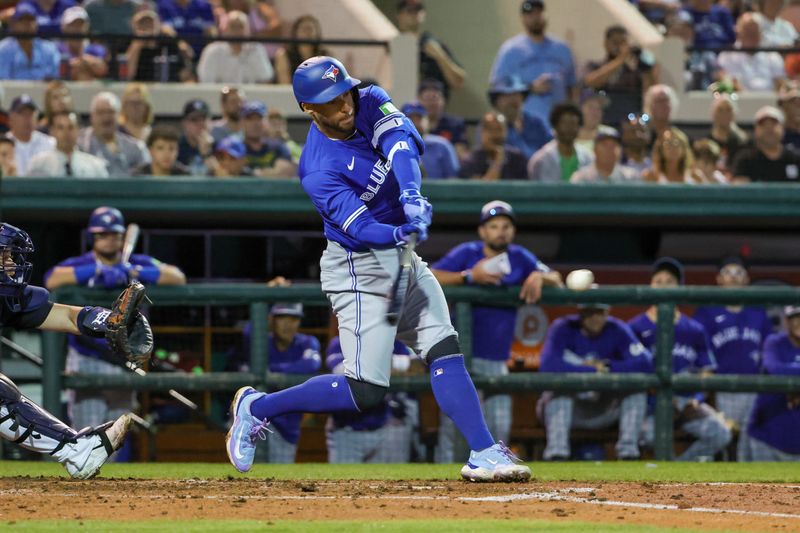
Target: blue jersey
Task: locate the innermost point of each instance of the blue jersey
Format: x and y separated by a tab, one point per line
49	22
691	351
371	419
187	21
351	182
772	421
567	348
301	357
492	327
34	306
736	338
85	345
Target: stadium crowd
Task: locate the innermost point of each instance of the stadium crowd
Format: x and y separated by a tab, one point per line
608	121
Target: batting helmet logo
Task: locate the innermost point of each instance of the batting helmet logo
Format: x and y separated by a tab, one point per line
331	73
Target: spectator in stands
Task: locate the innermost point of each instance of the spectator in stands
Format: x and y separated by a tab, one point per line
439	159
231	99
495	260
122	153
81	60
707	157
660	102
231	156
789	100
775	31
592	105
724	130
111	16
657	11
57	98
494	159
541	61
195	148
526	132
635	140
3	115
66	160
759	71
268	158
606	167
691	353
624	75
102	267
192	19
776	417
672	159
431	95
235	62
8	166
153	60
27	58
713	24
136	118
592	342
22	130
264	18
558	160
48	14
290	352
278	129
162	144
767	159
701	65
287	59
436	61
737	336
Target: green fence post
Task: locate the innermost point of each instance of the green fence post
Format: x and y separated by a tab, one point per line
53	355
665	337
464	323
259	340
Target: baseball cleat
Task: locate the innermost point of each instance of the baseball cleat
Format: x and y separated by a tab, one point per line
108	438
496	463
240	442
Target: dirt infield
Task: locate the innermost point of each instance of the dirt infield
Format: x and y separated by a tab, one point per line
742	507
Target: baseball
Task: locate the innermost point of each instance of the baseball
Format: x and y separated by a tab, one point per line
580	280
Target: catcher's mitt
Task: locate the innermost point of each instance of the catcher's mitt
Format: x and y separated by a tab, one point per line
127	331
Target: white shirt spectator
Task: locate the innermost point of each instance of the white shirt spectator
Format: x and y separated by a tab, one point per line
545	164
754	72
53	164
218	64
590	174
24	151
775	33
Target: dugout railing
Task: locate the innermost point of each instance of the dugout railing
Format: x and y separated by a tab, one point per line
258	296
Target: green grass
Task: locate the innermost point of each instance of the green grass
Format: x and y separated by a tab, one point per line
577	471
235	526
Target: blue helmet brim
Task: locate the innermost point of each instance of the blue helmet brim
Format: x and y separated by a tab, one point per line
332	92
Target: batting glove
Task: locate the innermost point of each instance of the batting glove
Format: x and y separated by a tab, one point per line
402	234
416	207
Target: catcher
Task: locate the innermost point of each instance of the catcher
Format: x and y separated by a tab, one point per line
24	306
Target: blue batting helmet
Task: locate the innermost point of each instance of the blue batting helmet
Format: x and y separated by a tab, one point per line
320	79
106	220
15	269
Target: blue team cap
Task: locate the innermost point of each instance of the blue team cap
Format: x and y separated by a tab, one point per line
320	79
497	208
253	107
287	309
507	85
23	9
233	146
414	108
106	219
671	265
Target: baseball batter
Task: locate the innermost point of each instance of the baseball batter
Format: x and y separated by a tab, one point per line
360	167
24	306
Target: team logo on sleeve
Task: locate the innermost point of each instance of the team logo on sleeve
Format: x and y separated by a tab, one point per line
388	108
331	73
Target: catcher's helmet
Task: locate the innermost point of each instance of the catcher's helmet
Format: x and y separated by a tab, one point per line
320	79
106	220
15	269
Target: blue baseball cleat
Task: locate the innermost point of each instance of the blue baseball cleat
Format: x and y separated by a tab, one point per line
496	463
240	442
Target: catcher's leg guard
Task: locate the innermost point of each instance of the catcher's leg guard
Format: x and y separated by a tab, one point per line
25	423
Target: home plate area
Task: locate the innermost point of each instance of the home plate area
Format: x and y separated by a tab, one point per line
745	506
